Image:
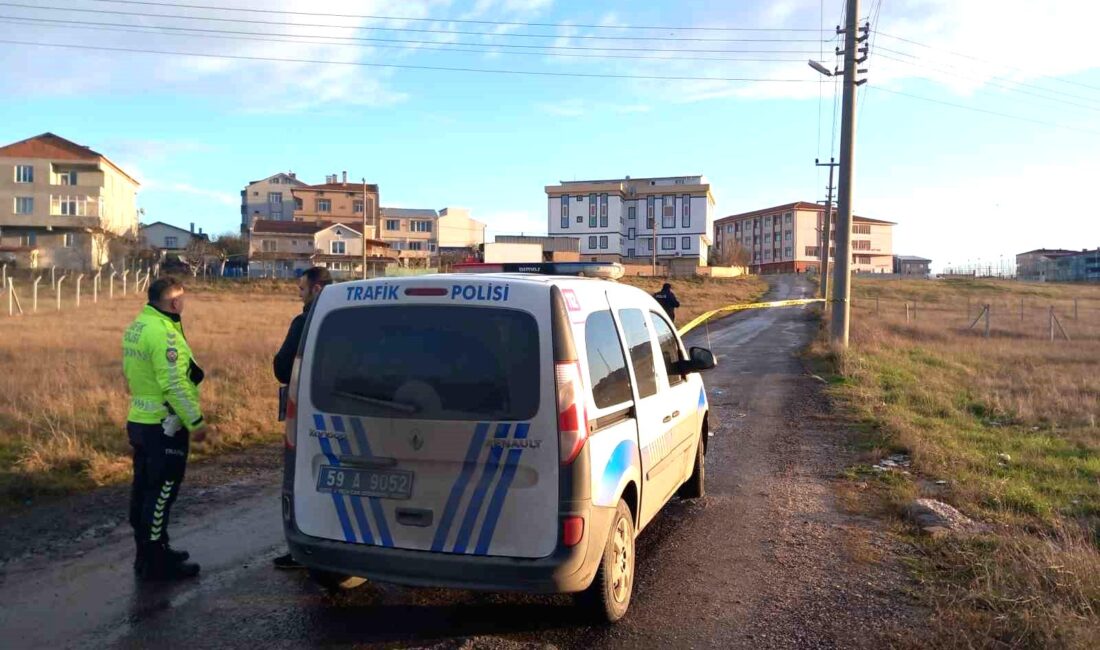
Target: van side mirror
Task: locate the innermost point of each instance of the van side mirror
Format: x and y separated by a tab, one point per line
699	359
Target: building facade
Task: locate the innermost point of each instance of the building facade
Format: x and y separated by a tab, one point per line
63	204
912	265
412	233
1039	265
786	239
617	220
554	249
1078	267
286	248
457	231
338	201
167	238
269	198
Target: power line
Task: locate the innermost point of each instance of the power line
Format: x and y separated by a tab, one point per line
253	21
411	45
539	73
985	111
987	62
675	28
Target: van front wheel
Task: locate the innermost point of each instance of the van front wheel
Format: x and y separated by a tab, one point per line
330	581
695	487
608	597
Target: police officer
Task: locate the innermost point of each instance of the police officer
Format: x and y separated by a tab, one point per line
668	300
164	416
309	287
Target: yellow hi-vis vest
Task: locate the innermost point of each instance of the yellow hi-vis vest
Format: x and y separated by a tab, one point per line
156	361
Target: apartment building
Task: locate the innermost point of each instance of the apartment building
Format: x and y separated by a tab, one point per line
269	198
338	201
286	248
63	204
412	233
1039	265
456	231
787	238
617	220
1078	267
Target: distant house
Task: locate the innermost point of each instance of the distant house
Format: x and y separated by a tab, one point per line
286	248
554	249
912	265
166	238
1083	266
1038	265
269	198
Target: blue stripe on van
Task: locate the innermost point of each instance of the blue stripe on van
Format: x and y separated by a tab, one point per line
356	502
375	505
459	488
492	515
337	500
487	475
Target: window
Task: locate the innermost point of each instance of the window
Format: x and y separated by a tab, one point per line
68	240
813	251
24	205
645	244
564	221
357	206
24	174
393	224
668	206
603	242
668	221
862	259
685	243
66	177
650	208
171	242
420	226
464	363
338	248
324	205
729	228
630	252
275	198
69	207
580	199
788	252
603	208
592	241
592	209
787	218
670	348
564	207
297	203
861	228
580	219
668	243
861	244
631	233
767	221
269	245
416	245
685	210
641	350
788	235
607	373
631	212
649	223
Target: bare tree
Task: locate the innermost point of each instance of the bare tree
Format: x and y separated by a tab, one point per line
198	251
227	246
733	254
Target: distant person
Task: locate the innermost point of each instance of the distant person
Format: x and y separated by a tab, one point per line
164	417
310	285
668	300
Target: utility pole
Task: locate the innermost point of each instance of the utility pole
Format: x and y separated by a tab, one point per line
825	235
854	55
364	228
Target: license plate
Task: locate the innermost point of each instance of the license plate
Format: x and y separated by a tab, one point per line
384	484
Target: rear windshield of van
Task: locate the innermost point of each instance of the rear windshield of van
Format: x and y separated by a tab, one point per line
427	362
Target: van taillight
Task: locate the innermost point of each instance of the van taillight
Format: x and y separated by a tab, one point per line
292	406
572	418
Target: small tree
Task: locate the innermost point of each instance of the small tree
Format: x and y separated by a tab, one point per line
733	254
229	245
196	254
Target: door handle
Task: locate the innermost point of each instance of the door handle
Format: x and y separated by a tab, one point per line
667	419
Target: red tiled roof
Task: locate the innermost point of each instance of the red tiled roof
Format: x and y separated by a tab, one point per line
48	145
797	205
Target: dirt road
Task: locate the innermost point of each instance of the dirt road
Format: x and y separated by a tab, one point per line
768	559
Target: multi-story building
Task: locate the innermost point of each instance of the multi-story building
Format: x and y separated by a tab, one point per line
787	239
1078	267
912	265
554	249
286	248
456	231
617	220
413	233
63	204
269	198
338	201
1039	265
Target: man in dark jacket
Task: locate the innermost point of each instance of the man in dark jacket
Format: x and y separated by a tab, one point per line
668	300
309	287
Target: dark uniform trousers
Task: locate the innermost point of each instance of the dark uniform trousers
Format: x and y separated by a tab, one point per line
159	464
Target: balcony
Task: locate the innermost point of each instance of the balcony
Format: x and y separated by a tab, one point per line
75	206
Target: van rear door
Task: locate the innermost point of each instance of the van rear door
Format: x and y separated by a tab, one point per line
430	418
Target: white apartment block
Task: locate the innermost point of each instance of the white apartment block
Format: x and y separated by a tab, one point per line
614	220
787	239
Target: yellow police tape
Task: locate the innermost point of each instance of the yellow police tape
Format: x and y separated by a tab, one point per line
702	318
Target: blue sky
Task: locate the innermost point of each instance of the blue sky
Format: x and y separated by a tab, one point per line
961	184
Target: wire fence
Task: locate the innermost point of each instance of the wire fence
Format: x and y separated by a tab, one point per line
31	292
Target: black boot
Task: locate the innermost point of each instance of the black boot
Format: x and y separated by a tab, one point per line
172	554
286	562
157	564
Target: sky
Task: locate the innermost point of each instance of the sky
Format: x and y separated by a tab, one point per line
977	129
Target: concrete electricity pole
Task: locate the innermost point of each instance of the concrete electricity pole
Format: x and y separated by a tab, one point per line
825	235
842	290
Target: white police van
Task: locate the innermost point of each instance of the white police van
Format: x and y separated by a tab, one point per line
504	431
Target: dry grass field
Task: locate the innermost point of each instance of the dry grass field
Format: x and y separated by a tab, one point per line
63	400
1009	424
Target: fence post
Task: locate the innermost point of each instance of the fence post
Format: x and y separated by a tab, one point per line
11	293
987	321
59	281
111	294
124	274
53	277
79	278
1074	309
95	286
4	281
1050	320
906	312
36	281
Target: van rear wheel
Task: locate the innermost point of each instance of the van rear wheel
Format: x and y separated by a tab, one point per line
608	597
331	581
695	487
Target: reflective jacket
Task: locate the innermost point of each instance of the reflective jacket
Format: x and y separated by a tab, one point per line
158	366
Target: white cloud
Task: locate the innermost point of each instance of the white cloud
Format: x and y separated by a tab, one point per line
224	198
568	108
